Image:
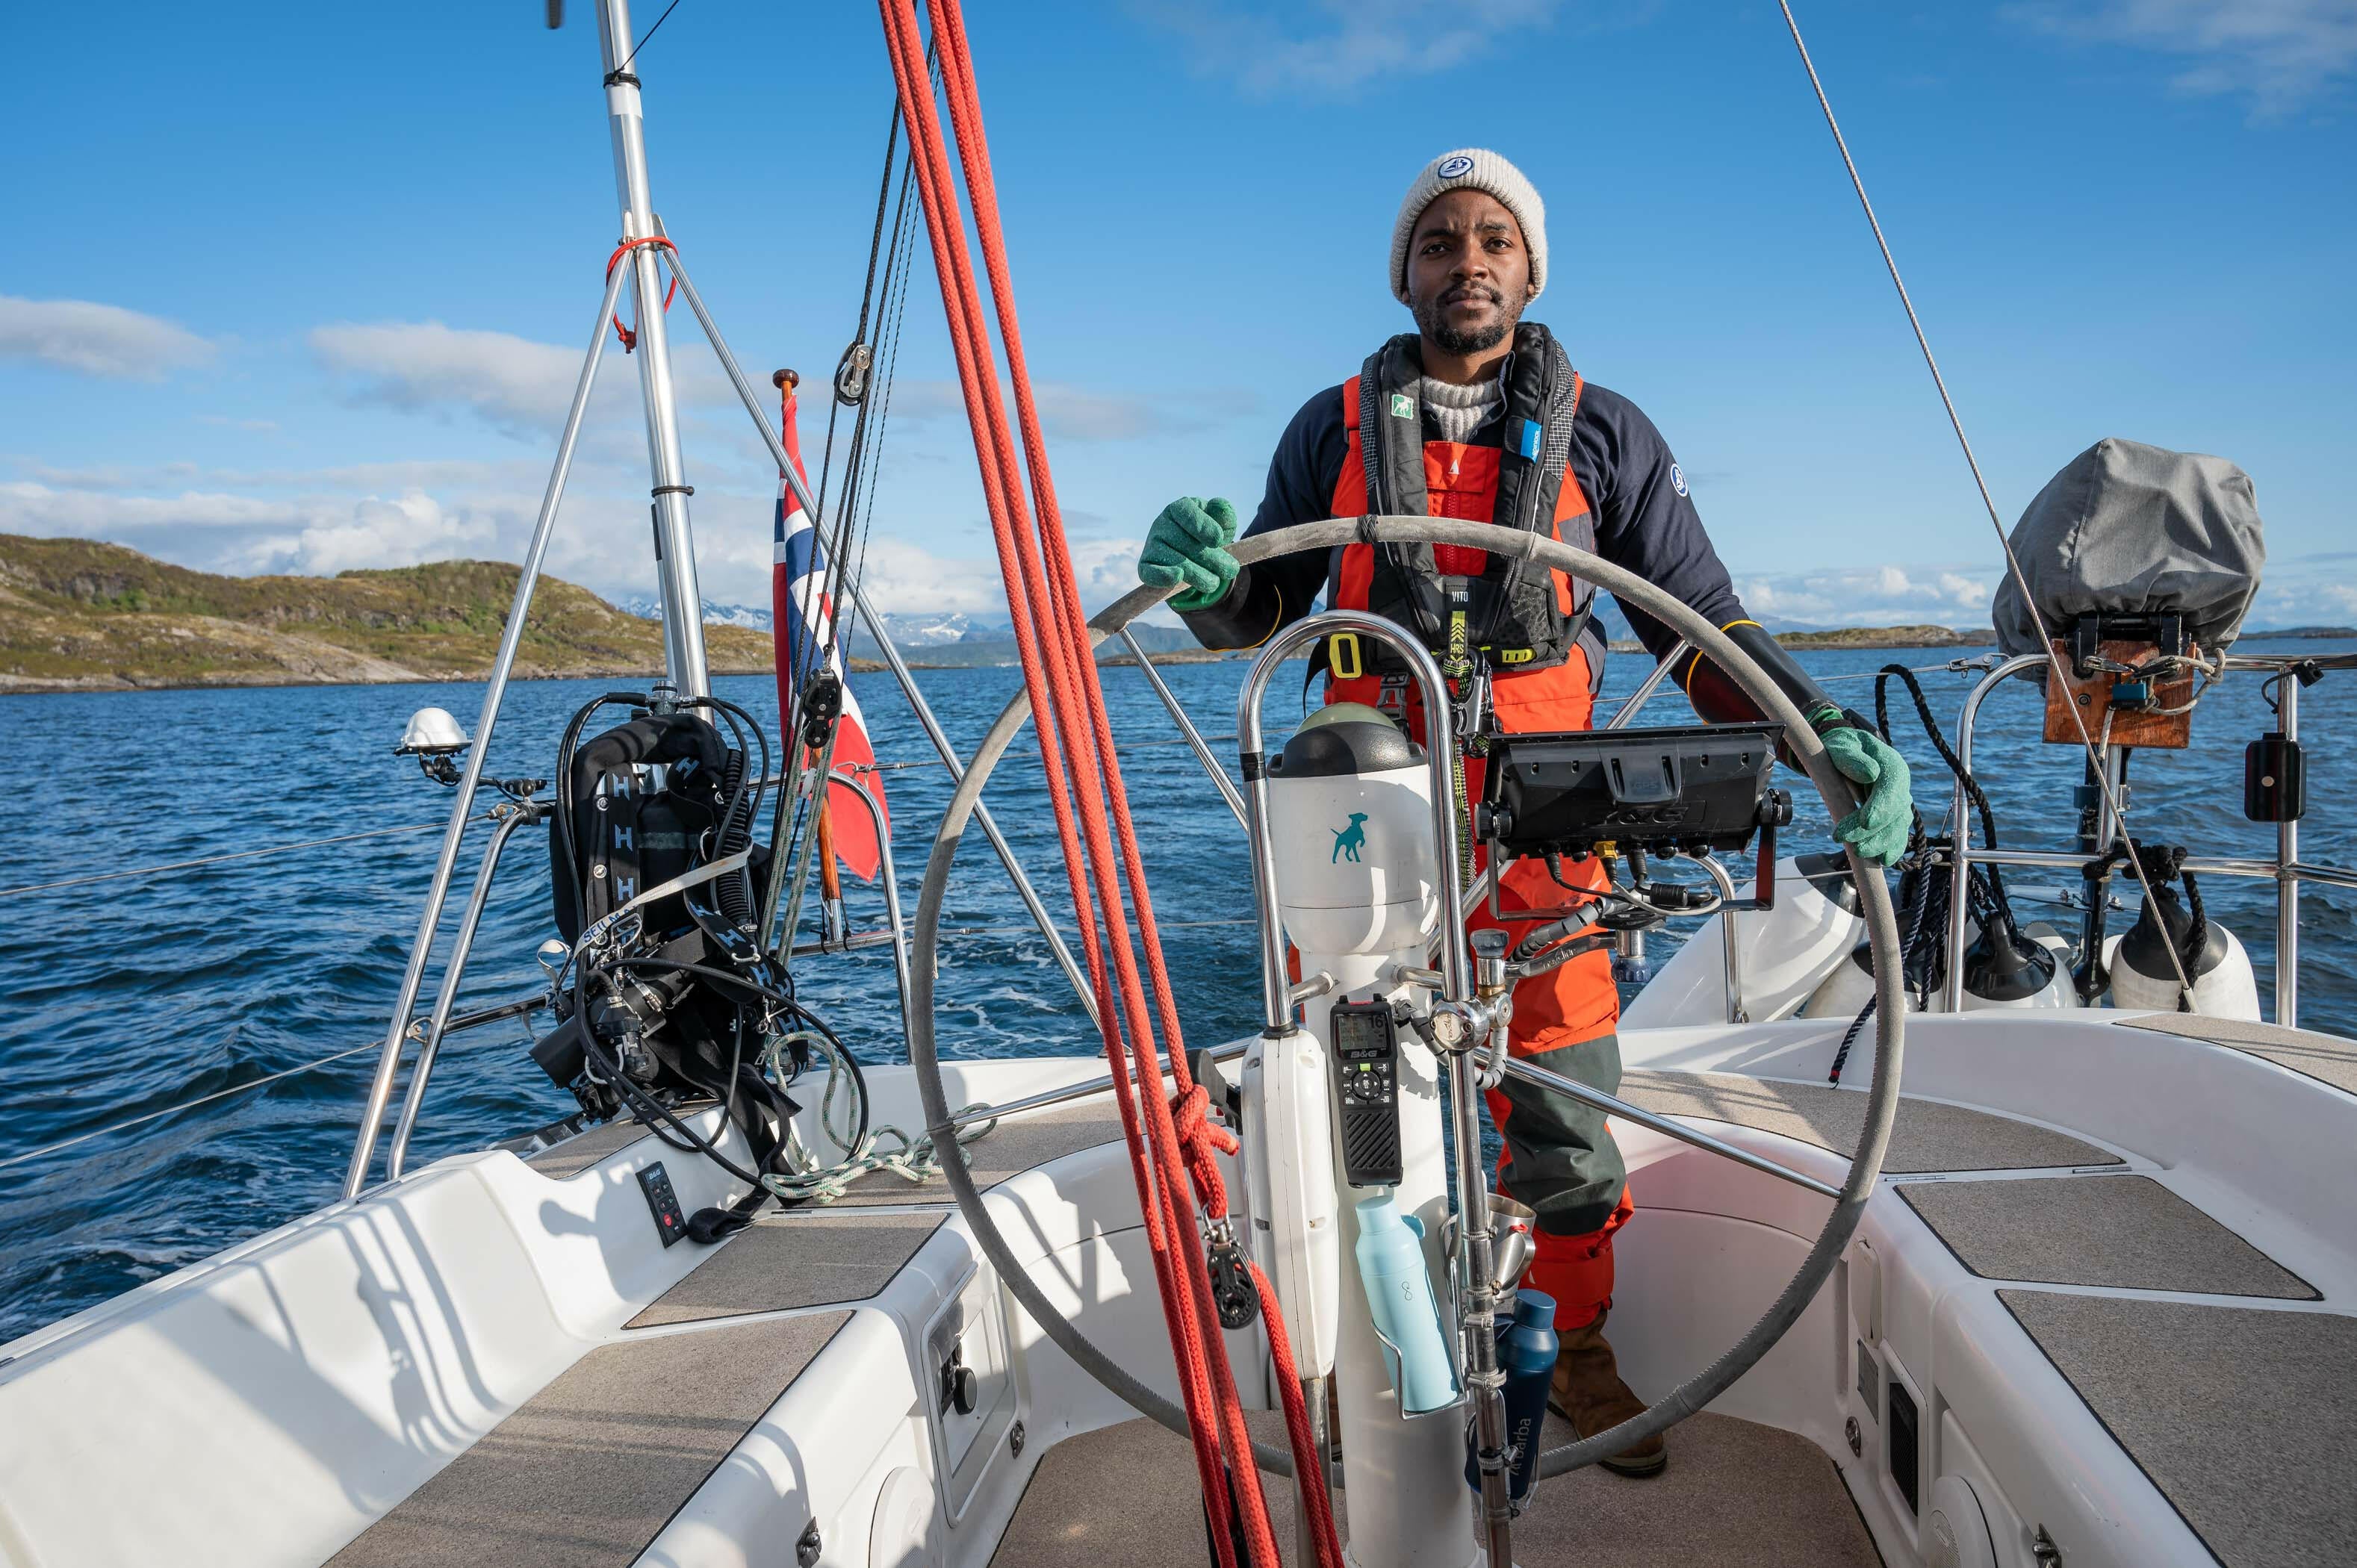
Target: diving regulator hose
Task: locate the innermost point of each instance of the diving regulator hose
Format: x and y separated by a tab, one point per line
1806	751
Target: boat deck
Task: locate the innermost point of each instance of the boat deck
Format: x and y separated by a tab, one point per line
2233	1405
1736	1495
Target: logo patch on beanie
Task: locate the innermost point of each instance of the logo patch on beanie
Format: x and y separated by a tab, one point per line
1456	167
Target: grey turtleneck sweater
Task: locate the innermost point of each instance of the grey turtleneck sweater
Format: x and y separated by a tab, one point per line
1459	411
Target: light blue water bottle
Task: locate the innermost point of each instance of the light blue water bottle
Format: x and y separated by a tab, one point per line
1400	1300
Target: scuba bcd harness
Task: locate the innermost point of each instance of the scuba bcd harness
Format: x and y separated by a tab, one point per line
669	999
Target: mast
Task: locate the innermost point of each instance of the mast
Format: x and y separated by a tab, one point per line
681	596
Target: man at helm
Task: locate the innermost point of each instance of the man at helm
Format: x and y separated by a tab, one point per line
1478	414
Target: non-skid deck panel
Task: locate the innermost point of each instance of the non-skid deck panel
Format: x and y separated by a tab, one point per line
593	1467
795	1260
2125	1232
2241	1416
1926	1136
2325	1057
1735	1496
581	1151
1008	1149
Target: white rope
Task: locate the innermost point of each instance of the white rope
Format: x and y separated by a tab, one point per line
885	1148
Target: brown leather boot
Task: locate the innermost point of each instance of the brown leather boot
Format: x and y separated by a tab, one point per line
1587	1391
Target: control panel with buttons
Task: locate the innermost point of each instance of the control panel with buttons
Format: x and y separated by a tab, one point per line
663	1203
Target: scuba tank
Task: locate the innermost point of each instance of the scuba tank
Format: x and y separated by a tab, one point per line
1400	1300
1527	1348
2143	980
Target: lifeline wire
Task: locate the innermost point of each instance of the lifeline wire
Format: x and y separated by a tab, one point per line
218	859
185	1105
2012	563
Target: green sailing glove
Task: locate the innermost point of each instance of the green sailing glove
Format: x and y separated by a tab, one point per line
1187	546
1878	830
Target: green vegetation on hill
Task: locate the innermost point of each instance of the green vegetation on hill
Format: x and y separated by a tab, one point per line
80	614
1889	636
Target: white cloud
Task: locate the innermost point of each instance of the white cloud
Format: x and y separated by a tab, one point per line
1068	413
2280	53
516	386
512	383
221	532
1872	596
96	340
1337	45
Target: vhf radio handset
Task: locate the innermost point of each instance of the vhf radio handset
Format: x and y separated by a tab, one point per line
1366	1091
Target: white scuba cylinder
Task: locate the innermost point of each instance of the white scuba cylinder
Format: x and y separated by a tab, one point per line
1349	817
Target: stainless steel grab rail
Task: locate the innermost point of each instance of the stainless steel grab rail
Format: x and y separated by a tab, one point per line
511	818
2286	870
429	921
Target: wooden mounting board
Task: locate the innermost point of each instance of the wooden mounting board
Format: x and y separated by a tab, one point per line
2170	732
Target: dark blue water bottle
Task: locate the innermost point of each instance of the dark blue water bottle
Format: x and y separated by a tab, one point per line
1526	1353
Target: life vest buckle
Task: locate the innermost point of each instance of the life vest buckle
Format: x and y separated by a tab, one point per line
1336	646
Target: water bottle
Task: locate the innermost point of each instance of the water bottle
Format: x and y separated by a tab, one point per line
1526	1353
1400	1300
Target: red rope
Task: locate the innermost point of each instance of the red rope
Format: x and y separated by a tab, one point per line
1172	1144
628	336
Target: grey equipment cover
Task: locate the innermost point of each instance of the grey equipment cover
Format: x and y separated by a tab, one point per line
2135	530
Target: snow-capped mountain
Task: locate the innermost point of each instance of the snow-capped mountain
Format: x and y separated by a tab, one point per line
753	617
930	631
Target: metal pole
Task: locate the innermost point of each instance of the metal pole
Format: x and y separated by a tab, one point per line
1477	1295
1645	694
745	392
397	1152
1611	1105
683	599
422	948
2287	882
1736	1012
1186	726
751	399
891	887
950	759
1960	826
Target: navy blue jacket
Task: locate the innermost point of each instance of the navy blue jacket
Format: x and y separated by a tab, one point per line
1645	520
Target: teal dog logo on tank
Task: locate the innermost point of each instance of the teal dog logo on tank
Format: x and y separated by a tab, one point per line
1400	1300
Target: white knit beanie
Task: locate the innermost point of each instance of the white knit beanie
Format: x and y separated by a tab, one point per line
1480	170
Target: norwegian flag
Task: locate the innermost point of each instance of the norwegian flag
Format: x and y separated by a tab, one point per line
802	625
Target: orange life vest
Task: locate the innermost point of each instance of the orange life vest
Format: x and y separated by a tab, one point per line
1575	1001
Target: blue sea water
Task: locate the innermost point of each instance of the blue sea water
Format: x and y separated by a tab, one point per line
136	995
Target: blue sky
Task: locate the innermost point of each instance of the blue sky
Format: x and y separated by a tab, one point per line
303	288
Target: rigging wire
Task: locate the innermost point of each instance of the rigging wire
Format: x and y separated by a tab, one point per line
630	57
218	859
2096	770
186	1105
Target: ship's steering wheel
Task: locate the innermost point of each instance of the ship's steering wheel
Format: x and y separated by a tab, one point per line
1799	741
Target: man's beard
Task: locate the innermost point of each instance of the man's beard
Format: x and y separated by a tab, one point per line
1431	321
